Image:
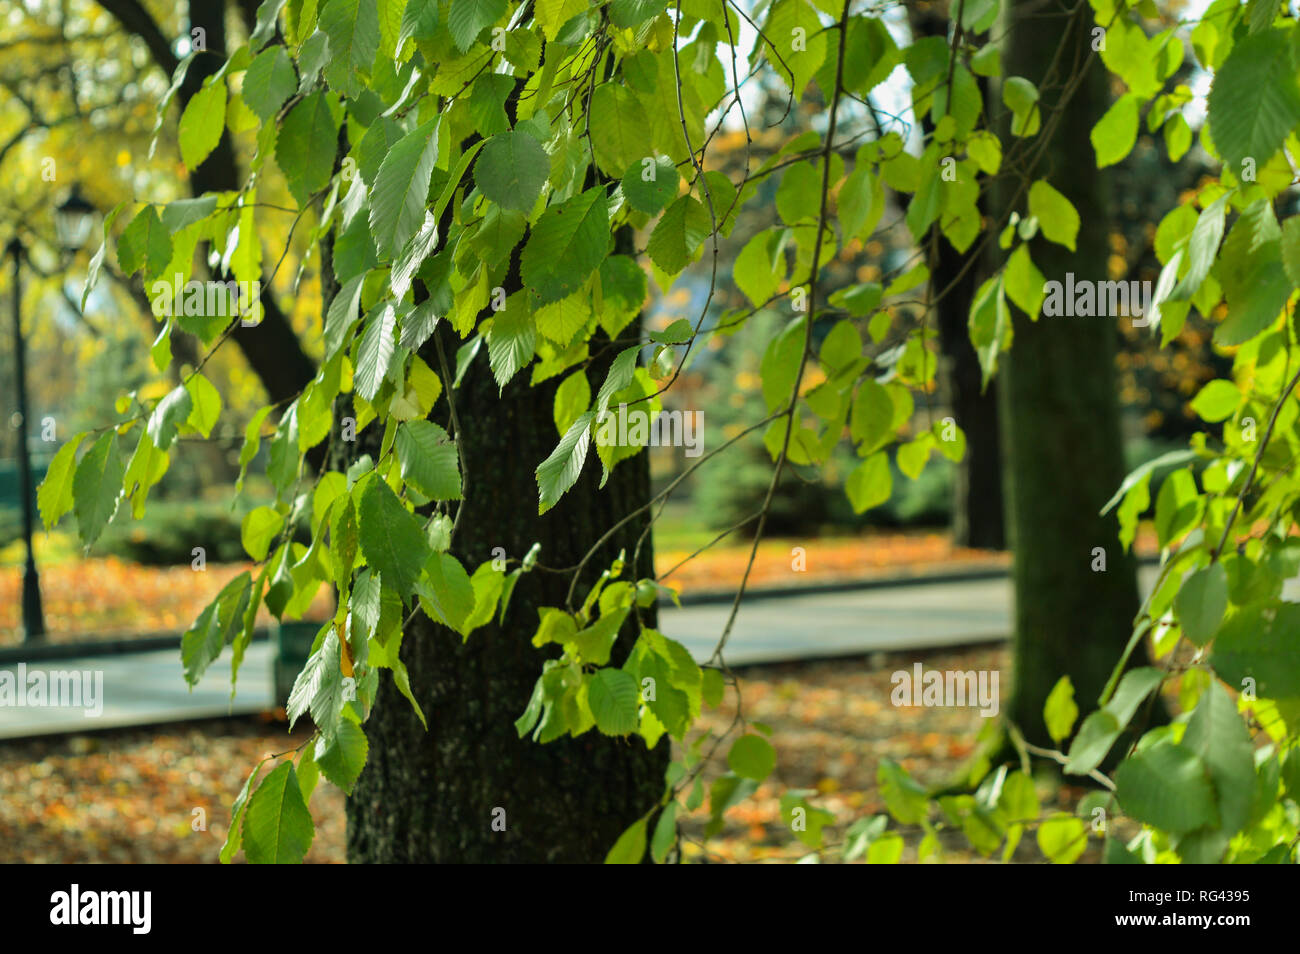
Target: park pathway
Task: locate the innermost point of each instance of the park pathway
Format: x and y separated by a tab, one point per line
143	688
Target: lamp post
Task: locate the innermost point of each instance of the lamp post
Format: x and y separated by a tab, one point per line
72	220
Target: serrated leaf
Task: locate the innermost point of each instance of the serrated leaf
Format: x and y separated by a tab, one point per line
376	350
202	124
54	497
511	170
1166	786
392	538
343	758
278	828
305	146
269	82
613	696
96	485
428	460
566	245
401	189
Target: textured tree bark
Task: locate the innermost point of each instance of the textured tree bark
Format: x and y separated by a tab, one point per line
429	797
1060	411
978	516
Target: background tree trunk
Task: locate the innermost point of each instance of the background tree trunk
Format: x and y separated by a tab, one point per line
1060	414
978	516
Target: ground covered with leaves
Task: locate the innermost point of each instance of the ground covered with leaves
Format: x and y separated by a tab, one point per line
108	598
132	796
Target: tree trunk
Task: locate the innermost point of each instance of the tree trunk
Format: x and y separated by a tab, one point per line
978	518
1060	415
430	796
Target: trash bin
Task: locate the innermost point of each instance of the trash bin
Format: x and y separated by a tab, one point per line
292	647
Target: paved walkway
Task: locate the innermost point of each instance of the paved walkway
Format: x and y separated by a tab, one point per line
147	687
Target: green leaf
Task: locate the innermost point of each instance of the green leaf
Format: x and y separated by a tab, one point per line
401	190
560	470
1201	603
1060	710
202	643
796	67
96	486
305	146
1217	401
613	696
205	404
649	185
990	326
54	497
278	828
1024	283
1178	507
353	29
752	756
269	82
428	460
343	758
1057	218
1095	737
512	339
1254	101
185	212
1202	246
319	686
1218	735
376	350
665	834
630	847
144	245
202	124
572	398
392	538
1259	643
1115	134
468	18
780	365
618	128
871	483
1166	786
234	835
566	245
258	530
1291	249
760	266
511	170
1062	838
906	800
678	234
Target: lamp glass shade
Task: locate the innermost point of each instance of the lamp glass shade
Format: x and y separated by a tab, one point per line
72	220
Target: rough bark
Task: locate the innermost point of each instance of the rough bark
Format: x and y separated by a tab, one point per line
1060	414
429	796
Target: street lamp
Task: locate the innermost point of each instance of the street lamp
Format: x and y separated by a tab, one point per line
72	221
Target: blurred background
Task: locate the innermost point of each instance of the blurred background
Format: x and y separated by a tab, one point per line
79	99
